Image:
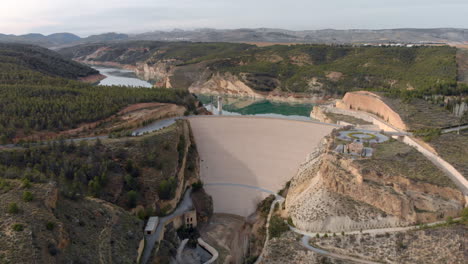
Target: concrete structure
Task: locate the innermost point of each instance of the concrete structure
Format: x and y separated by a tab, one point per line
151	225
261	152
355	147
187	220
220	105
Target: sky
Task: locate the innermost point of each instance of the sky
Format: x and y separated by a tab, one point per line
86	17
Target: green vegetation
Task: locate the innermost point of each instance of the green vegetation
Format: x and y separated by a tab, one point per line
17	227
428	134
50	226
22	63
349	119
406	72
277	226
167	188
96	168
197	185
422	114
13	208
28	196
37	97
394	158
453	148
264	206
368	136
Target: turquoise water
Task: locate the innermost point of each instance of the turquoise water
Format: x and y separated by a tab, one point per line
250	106
231	105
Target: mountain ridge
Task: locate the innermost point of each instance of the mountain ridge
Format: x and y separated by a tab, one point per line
333	36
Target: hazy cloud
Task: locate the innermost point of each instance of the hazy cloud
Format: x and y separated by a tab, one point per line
86	17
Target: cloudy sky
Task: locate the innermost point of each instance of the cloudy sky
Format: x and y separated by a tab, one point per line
85	17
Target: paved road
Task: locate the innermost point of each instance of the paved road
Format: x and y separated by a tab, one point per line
305	243
278	200
184	206
454	129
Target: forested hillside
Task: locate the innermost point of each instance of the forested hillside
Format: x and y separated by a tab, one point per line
305	69
37	97
17	60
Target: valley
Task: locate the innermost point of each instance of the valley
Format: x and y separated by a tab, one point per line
281	154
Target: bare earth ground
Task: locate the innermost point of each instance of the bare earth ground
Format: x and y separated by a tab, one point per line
228	235
128	117
260	152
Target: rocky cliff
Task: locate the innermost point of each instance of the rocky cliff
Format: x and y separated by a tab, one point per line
372	103
334	193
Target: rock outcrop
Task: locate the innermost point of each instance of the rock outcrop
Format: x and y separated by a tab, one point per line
372	103
334	193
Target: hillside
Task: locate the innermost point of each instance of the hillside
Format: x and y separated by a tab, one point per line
396	186
301	70
258	35
20	59
85	202
40	94
59	39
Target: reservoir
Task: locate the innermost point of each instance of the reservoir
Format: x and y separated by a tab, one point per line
231	105
257	107
122	77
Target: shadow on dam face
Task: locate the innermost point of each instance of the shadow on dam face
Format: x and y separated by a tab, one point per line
258	152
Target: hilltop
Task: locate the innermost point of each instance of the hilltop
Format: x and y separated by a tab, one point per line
259	35
18	59
41	94
279	70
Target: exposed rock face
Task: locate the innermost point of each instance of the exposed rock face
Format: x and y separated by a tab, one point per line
372	103
319	114
331	193
223	84
159	72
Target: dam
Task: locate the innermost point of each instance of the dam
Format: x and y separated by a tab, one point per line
243	159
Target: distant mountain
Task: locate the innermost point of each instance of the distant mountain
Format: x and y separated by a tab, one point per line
60	39
405	35
311	36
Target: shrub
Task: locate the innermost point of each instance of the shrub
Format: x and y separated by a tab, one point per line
167	188
197	185
342	233
27	196
50	226
52	249
132	198
250	260
25	183
449	220
13	208
18	227
277	226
